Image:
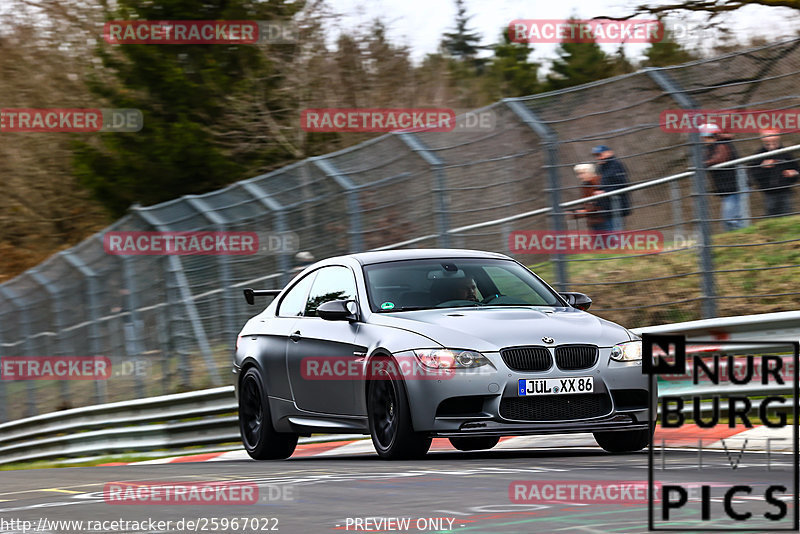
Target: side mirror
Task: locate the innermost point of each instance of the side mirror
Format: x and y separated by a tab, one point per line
577	300
338	310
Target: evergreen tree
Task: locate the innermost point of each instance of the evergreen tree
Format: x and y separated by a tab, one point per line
463	44
579	63
666	51
622	65
182	92
509	72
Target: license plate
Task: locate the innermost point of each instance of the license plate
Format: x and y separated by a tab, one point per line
555	386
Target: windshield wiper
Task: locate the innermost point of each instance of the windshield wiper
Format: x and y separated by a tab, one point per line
407	308
526	305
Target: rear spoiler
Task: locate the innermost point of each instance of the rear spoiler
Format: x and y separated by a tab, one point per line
251	294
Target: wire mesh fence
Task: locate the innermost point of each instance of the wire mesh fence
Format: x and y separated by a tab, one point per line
168	323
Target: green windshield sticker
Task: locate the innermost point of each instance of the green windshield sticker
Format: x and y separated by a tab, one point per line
387	305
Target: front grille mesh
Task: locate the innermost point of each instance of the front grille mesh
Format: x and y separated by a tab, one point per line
572	357
535	358
555	407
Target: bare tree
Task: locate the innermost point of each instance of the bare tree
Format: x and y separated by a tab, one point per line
45	52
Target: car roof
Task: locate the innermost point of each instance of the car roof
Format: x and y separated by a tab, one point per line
382	256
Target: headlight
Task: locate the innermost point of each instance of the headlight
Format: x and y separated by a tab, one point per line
450	358
628	351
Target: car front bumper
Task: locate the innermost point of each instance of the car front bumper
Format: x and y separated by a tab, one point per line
472	401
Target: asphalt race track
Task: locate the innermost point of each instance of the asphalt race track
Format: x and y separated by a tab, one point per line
329	494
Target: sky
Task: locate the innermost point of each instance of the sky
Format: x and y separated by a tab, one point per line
421	23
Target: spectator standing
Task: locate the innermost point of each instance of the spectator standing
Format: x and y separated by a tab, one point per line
775	175
719	149
596	212
613	176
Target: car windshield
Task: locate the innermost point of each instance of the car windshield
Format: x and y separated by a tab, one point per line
444	283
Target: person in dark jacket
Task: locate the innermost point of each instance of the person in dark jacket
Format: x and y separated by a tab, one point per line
775	175
719	149
613	176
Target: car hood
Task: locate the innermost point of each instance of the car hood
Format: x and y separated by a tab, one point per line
491	328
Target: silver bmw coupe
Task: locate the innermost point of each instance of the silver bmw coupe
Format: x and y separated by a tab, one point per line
408	345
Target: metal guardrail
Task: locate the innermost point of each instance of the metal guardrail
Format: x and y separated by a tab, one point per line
164	422
208	417
779	326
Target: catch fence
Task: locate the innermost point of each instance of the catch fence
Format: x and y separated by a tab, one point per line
473	187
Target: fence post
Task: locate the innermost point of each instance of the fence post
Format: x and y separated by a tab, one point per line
677	211
284	262
550	140
706	261
58	324
166	339
353	201
224	261
23	318
91	303
133	328
175	268
3	412
744	188
440	188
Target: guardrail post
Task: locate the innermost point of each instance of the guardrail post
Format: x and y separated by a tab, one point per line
440	185
671	87
353	201
175	269
91	303
550	140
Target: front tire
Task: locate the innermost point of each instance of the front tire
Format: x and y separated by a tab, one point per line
474	444
260	439
625	441
390	420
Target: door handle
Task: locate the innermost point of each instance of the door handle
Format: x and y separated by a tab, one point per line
295	336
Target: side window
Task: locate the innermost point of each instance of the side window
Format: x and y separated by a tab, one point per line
332	283
294	302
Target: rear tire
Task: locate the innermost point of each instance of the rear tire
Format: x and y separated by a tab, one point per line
390	420
260	439
624	441
474	444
